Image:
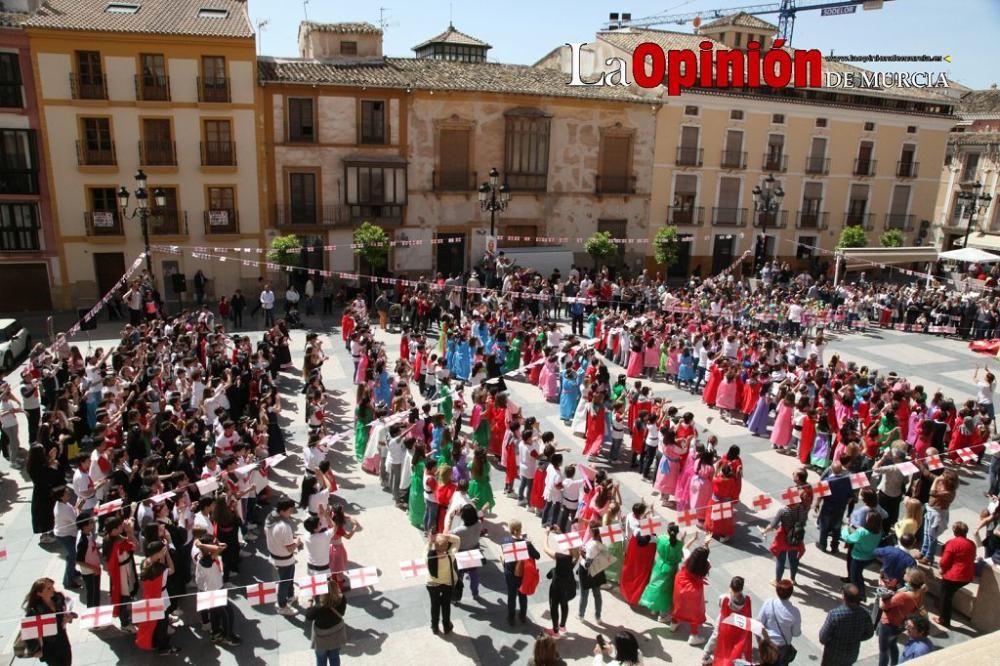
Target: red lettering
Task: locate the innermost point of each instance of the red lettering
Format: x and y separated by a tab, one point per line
729	69
705	64
808	68
753	65
681	71
658	65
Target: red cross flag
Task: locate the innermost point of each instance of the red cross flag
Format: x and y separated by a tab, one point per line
907	468
212	599
362	577
649	526
967	455
515	551
276	459
162	497
722	511
934	463
569	541
262	593
469	559
205	486
148	610
859	480
762	501
791	496
822	489
688	518
612	534
313	585
39	626
108	507
412	568
745	623
992	448
98	616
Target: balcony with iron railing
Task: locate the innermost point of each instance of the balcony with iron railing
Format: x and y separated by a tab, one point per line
214	90
863	220
18	181
454	181
864	167
686	216
774	162
526	182
775	220
386	215
157	153
89	156
91	87
168	222
303	216
222	221
805	219
899	221
817	166
150	88
907	169
689	156
218	153
103	223
733	159
729	217
614	184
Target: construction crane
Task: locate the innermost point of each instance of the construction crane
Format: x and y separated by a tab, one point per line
786	10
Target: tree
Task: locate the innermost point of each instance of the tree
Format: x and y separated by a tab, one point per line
666	246
372	245
891	238
600	246
285	251
852	236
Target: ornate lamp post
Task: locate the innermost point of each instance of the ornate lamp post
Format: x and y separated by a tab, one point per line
766	201
976	203
493	198
142	210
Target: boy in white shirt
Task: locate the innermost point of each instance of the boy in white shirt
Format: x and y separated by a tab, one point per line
553	491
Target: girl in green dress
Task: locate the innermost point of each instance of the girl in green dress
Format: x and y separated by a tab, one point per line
479	487
363	415
479	422
447	400
659	593
513	359
417	504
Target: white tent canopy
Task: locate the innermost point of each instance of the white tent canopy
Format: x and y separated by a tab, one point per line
969	254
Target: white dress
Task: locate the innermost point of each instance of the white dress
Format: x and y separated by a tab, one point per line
579	424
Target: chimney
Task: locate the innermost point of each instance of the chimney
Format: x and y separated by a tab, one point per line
626	19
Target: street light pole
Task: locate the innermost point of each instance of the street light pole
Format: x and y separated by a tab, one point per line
976	203
766	201
142	211
493	197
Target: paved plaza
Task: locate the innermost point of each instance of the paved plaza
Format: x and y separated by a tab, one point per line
390	622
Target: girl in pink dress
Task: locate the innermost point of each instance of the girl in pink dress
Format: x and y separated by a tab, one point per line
670	466
781	433
725	398
635	358
701	486
673	362
549	381
683	487
651	358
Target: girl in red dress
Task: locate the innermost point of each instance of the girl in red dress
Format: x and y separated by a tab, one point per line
808	436
596	421
689	593
723	490
715	374
639	556
496	414
152	635
732	642
118	550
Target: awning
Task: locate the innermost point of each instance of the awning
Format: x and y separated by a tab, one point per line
889	255
990	242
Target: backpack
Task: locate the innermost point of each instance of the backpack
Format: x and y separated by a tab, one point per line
797	535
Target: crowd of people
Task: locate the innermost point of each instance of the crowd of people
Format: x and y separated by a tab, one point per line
178	401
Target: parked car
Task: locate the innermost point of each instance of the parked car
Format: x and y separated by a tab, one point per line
15	340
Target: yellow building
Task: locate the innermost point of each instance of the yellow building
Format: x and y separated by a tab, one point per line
843	157
166	86
353	135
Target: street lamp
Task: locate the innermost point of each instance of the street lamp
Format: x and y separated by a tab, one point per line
142	210
976	203
492	198
766	201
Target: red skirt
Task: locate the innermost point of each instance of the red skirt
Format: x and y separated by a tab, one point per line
689	599
537	488
636	569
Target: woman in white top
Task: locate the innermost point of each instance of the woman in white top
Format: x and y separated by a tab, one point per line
65	532
984	391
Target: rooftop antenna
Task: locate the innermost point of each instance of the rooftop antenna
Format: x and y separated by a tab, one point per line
261	27
305	8
384	22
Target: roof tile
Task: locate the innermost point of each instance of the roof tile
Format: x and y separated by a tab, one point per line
159	17
453	36
741	20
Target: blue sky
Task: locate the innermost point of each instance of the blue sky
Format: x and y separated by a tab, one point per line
522	31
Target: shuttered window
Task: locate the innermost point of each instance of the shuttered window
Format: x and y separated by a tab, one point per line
301	126
453	160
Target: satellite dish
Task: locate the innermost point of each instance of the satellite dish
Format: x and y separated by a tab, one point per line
696	22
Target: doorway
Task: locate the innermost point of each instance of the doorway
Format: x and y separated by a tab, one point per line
451	254
722	254
109	267
681	267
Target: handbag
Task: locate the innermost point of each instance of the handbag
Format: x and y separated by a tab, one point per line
602	560
456	590
330	638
